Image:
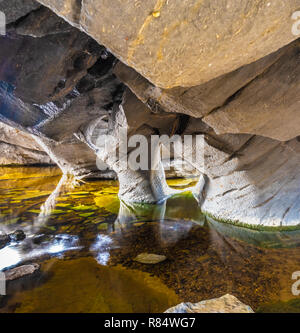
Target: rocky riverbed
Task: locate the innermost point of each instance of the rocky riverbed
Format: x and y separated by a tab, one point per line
93	236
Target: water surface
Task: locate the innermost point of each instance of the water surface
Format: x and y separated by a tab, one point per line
86	242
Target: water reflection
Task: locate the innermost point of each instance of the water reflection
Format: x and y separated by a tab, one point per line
205	258
101	249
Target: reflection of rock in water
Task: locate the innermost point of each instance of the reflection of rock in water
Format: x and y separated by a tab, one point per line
265	239
171	232
167	214
66	184
130	212
203	263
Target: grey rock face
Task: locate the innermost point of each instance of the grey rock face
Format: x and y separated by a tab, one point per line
62	57
224	304
130	118
18	147
197	101
234	83
255	99
256	184
79	87
15	9
269	105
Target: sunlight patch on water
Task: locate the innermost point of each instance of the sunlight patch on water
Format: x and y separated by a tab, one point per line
101	249
14	254
9	257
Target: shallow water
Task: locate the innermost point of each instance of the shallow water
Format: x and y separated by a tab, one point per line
86	242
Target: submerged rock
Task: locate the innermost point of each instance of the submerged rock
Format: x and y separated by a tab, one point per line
17	236
21	271
224	304
150	258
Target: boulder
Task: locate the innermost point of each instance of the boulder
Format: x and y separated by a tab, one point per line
21	271
224	304
4	240
79	88
255	99
62	57
183	43
17	236
197	101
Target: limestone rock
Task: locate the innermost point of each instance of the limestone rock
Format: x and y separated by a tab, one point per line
256	184
224	304
17	155
226	71
16	137
184	43
42	22
21	271
150	258
147	184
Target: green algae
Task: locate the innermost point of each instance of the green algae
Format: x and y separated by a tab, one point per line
291	306
109	202
82	208
257	227
86	214
204	261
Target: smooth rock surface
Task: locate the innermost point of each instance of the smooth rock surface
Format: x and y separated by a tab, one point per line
20	148
150	258
21	271
269	105
184	42
224	304
233	83
197	101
